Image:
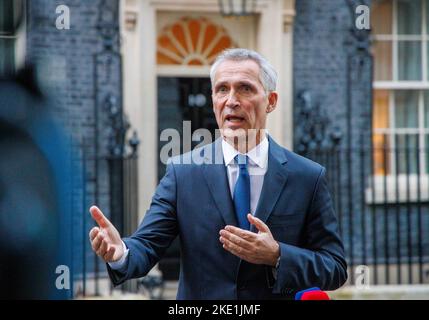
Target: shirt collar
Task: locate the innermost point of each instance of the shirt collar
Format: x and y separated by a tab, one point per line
258	155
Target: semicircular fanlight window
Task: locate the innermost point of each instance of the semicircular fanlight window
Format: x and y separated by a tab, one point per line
192	41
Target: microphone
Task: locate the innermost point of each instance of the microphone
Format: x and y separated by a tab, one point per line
311	294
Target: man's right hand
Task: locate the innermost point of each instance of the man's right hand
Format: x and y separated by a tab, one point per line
105	239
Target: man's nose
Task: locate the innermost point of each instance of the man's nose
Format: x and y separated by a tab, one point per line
232	101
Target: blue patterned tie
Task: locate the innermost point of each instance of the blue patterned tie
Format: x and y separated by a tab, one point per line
242	193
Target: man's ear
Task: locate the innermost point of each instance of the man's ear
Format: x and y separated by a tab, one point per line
272	101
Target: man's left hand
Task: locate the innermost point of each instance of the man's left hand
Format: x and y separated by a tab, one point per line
257	248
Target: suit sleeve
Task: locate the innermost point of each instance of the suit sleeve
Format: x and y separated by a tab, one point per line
321	263
154	235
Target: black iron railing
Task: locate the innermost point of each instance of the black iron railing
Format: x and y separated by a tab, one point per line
384	213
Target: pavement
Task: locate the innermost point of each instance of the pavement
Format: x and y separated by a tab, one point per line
348	292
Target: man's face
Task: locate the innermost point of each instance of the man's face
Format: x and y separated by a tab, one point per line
239	99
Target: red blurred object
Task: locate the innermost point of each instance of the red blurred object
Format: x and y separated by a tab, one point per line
315	295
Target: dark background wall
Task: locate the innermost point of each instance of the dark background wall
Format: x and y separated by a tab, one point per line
81	75
323	68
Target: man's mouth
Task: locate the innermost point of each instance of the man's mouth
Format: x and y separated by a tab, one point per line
234	119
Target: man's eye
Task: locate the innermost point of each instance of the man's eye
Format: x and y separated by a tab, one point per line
246	88
222	89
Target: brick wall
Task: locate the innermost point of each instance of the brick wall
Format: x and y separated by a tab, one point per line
77	88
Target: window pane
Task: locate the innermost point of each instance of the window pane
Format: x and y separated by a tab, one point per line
380	119
10	15
427	52
382	154
406	109
409	16
409	60
426	110
381	16
427	16
382	51
406	146
427	153
6	16
7	55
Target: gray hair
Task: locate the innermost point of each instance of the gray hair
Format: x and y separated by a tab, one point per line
267	74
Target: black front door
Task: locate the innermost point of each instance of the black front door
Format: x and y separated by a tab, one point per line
179	100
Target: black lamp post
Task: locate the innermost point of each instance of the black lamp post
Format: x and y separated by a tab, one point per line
237	7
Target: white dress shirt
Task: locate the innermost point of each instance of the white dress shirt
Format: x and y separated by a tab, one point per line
257	167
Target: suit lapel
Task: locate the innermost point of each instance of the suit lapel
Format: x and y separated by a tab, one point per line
274	182
216	178
217	181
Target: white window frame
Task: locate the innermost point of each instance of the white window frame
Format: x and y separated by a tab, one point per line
390	180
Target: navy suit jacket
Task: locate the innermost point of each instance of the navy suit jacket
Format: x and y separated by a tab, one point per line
193	201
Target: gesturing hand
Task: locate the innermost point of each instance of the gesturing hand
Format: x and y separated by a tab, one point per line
257	248
105	239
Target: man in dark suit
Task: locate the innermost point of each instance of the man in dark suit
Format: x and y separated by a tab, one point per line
255	220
